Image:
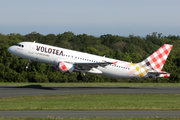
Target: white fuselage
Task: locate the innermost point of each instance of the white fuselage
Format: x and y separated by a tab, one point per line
50	54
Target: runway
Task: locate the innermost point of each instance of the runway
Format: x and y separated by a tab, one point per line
90	114
32	90
41	90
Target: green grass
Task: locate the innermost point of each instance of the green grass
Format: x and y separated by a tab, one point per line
95	118
93	102
92	84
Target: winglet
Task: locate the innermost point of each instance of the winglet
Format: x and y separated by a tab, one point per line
115	63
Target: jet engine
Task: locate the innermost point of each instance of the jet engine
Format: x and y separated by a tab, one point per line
63	67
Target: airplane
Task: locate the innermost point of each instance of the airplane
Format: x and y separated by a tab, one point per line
68	61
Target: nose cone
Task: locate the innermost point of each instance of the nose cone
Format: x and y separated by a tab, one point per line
11	49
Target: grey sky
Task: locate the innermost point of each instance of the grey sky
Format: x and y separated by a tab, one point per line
93	17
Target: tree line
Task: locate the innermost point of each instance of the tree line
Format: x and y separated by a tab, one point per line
132	49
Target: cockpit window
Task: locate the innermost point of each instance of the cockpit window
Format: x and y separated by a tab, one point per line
19	45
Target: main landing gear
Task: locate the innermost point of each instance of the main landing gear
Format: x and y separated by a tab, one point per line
83	78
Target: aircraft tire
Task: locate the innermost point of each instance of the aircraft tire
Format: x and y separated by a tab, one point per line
79	77
84	79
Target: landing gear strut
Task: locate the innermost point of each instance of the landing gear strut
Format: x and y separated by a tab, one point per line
83	78
28	64
79	77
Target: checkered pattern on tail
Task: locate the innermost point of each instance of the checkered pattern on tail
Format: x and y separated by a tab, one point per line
157	59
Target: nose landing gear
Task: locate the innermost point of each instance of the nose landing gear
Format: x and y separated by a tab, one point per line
27	66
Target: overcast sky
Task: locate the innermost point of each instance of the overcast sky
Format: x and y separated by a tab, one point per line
92	17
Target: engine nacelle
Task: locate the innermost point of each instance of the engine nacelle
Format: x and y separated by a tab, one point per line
64	67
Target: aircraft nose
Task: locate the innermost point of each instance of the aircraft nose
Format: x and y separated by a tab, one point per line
11	49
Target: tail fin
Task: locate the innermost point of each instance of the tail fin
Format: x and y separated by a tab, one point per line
157	60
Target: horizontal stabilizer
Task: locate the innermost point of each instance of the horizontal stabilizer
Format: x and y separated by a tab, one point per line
158	74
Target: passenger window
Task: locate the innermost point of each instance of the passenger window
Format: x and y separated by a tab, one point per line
22	45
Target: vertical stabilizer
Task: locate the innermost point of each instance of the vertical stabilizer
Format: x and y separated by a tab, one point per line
157	60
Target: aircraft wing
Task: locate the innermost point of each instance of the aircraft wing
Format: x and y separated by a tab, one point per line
88	66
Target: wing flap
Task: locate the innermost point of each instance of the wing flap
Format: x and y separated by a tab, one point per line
94	64
88	66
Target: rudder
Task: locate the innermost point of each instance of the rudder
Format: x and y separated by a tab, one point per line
157	60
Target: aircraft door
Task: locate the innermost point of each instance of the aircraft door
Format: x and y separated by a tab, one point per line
31	48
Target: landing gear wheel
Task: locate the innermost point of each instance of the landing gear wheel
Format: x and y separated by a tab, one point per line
79	77
27	66
84	78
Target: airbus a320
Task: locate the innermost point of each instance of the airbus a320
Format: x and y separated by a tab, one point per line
68	61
